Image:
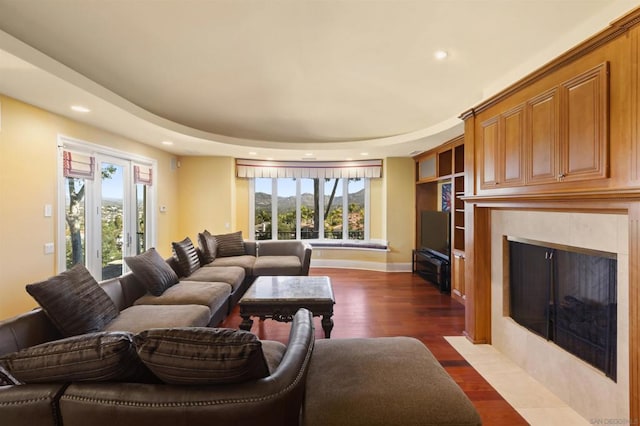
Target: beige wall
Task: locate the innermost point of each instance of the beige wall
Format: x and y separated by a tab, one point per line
28	181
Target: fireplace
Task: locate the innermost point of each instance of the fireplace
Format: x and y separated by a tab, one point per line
566	295
576	381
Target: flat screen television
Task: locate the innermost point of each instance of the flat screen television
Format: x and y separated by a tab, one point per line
435	232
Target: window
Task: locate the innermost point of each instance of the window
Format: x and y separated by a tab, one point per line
301	205
106	204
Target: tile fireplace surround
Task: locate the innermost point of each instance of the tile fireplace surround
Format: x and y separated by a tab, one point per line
583	387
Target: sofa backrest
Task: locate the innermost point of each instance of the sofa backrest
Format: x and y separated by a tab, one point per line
28	329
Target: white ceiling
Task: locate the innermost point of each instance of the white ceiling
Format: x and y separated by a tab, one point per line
285	79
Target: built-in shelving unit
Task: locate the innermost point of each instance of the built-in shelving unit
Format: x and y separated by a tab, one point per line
441	171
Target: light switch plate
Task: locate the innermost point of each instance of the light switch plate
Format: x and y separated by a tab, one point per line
48	210
48	248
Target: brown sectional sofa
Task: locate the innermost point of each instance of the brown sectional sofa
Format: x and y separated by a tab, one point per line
374	382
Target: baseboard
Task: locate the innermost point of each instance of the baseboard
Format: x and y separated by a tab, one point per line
359	264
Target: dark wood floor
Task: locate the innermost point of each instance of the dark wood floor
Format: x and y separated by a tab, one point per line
375	304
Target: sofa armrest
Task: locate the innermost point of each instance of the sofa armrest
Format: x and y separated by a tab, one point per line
299	248
275	400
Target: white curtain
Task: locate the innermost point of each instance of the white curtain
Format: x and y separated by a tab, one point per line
308	169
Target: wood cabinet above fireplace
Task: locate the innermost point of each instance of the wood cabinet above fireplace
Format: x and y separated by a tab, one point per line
557	136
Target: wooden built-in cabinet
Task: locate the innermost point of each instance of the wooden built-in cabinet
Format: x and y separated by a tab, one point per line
557	136
445	165
501	148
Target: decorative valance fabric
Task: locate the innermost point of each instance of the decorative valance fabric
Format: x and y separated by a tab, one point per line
142	174
308	169
80	166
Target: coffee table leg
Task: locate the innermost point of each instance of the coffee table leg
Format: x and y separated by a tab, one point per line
246	323
327	325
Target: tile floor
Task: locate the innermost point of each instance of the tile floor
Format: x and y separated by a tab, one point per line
526	395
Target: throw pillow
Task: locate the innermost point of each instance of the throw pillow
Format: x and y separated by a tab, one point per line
208	246
202	355
187	256
230	244
152	271
74	302
95	357
6	378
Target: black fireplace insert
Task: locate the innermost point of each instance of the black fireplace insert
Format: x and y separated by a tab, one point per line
566	295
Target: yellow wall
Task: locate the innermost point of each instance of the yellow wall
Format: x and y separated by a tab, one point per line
28	181
400	208
207	196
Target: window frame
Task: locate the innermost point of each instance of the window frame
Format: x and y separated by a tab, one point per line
93	200
321	234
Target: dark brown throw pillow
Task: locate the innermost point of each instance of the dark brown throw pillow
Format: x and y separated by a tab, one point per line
6	378
202	355
74	302
208	246
187	256
94	357
152	271
230	244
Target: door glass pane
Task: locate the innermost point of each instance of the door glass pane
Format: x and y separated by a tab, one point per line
333	209
262	196
75	221
356	209
309	209
141	218
112	223
287	209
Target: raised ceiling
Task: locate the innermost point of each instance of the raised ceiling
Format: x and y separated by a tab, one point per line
285	79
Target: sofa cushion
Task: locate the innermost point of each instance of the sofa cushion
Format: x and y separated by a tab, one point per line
208	246
232	275
213	295
152	271
198	356
230	244
142	317
7	378
74	301
93	357
187	256
377	381
273	353
246	262
277	265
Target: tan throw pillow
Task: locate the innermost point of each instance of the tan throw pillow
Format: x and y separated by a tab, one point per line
74	302
208	246
187	256
202	355
152	271
94	357
230	244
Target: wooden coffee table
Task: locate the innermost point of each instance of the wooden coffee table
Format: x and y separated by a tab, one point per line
279	298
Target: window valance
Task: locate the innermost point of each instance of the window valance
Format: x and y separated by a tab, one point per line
308	169
142	174
80	166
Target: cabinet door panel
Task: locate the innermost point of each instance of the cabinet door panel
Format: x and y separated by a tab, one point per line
584	155
542	141
489	153
512	147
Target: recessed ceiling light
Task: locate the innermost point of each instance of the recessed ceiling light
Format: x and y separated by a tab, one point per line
440	54
167	143
309	154
269	158
364	153
253	153
349	159
80	108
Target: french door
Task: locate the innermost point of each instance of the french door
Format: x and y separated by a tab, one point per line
105	210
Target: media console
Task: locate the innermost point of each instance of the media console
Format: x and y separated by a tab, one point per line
433	267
